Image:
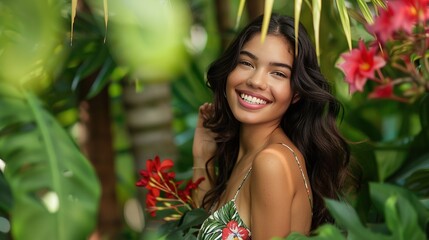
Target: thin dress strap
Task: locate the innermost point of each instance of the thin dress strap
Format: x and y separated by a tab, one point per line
302	173
241	184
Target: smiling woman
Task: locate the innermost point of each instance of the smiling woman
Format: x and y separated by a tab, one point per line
268	143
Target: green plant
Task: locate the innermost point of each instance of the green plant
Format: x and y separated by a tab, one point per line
54	189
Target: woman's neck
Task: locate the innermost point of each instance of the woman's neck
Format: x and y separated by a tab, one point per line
254	138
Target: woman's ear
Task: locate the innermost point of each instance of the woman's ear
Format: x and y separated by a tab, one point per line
295	98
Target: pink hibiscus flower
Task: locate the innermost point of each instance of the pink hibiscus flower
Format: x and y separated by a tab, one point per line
359	65
233	232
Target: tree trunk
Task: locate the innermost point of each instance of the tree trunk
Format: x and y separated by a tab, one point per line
254	8
97	145
149	119
224	23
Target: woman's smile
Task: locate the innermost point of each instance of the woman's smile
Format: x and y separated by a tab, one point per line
252	100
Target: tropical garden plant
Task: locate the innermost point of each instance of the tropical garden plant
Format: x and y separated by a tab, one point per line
48	68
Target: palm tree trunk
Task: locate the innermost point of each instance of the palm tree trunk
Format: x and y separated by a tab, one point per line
149	119
254	8
97	145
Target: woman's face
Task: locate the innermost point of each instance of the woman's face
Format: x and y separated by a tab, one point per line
258	90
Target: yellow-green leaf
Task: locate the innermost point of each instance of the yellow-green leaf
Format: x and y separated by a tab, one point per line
298	5
267	15
106	18
73	15
380	3
365	11
345	21
317	9
240	13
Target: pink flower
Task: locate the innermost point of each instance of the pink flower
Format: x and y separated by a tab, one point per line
359	65
399	15
233	232
410	12
385	24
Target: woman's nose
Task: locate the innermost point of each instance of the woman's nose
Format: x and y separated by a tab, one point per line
257	80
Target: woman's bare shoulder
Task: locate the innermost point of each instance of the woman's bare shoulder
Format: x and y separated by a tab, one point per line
274	162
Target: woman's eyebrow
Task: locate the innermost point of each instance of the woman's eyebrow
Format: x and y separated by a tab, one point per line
252	56
277	64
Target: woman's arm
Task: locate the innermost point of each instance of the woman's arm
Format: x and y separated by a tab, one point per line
204	147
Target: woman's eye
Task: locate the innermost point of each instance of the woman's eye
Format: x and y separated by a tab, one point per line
280	74
245	63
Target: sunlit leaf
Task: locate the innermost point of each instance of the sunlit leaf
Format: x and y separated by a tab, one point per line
73	16
380	3
342	9
365	11
106	17
267	15
317	10
297	16
381	192
401	219
240	13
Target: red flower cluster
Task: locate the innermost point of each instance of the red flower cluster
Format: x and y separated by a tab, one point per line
164	190
401	47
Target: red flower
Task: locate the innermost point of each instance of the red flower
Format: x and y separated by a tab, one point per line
233	232
186	193
385	92
359	65
382	91
163	189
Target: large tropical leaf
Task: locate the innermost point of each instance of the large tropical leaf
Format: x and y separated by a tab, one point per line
380	194
55	190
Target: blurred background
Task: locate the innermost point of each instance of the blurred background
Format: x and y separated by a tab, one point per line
91	89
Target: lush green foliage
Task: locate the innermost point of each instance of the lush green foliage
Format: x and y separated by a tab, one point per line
54	189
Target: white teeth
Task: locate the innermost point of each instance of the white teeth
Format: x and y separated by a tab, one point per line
252	100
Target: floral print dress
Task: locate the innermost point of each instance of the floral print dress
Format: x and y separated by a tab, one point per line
226	224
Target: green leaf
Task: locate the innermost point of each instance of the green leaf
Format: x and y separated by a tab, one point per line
419	181
239	13
5	196
424	113
317	10
324	232
401	218
346	216
102	78
193	218
297	16
365	11
90	64
380	3
54	187
268	8
342	9
381	192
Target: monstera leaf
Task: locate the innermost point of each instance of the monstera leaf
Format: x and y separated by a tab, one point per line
54	188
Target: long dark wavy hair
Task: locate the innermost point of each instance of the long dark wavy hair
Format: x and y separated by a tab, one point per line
310	122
